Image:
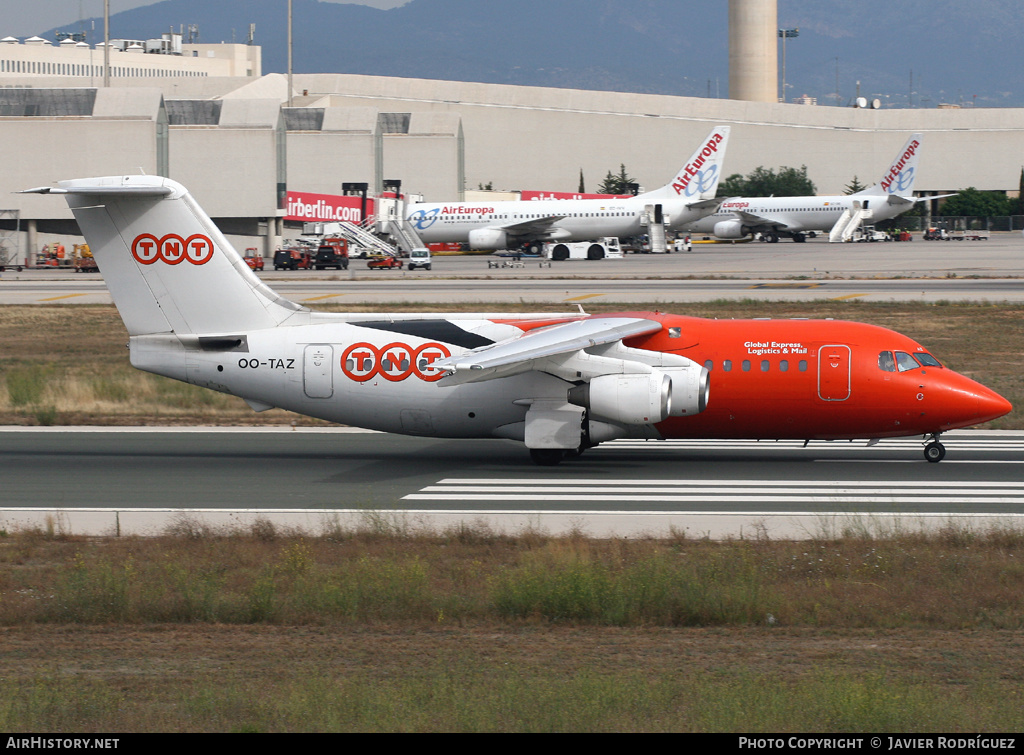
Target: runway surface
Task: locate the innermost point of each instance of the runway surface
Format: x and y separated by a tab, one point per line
101	481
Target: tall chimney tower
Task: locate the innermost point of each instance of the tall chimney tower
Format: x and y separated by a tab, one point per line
753	45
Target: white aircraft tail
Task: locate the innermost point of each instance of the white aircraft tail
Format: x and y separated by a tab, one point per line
899	178
698	178
166	265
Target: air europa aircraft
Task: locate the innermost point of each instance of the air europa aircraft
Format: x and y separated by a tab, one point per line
559	384
505	225
797	217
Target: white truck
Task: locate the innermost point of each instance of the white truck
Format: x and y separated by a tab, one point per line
419	257
600	249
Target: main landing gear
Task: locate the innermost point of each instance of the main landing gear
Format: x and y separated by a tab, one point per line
935	452
549	457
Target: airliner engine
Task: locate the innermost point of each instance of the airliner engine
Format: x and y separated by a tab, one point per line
629	399
488	238
729	229
644	398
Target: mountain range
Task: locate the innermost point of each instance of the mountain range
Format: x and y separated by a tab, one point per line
906	53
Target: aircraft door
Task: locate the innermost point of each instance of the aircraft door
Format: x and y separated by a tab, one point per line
318	371
834	373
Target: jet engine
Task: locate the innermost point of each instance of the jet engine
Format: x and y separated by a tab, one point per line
729	229
690	391
488	238
641	399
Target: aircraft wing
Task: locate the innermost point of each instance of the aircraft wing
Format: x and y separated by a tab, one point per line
523	353
531	227
708	204
752	220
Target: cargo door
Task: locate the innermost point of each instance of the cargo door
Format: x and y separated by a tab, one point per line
834	373
318	371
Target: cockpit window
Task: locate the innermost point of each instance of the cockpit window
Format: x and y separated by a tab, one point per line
886	363
926	359
905	362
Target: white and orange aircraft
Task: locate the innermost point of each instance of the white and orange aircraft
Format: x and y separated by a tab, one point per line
506	225
557	383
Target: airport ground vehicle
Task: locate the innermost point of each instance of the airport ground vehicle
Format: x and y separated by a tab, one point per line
333	252
84	261
293	259
870	233
253	259
382	263
419	257
598	249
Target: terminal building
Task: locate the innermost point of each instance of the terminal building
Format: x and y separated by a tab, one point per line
251	150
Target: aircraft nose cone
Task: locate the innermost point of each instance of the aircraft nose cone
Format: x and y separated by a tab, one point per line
992	406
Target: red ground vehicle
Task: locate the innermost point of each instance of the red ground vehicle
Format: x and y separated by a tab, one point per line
384	262
253	259
293	259
333	252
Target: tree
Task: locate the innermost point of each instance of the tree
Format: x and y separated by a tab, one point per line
582	189
854	186
617	184
972	202
766	182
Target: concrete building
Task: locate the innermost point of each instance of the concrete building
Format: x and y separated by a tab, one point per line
238	146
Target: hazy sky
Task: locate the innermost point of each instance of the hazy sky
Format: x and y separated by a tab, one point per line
19	18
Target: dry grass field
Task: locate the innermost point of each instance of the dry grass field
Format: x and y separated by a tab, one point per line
263	631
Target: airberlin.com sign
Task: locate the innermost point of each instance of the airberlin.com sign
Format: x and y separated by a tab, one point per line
325	207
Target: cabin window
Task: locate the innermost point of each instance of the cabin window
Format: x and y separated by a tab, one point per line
886	363
709	365
764	365
802	365
905	362
746	365
784	366
727	365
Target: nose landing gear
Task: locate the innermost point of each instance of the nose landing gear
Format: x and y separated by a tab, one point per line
934	451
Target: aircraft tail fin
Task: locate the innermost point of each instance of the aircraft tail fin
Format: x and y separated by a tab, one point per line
899	178
698	179
166	265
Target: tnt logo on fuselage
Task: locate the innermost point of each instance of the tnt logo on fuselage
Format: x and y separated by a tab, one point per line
172	249
395	362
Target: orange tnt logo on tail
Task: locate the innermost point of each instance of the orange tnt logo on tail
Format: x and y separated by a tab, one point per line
172	249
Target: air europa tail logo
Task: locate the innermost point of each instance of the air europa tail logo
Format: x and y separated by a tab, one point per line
172	249
705	179
899	179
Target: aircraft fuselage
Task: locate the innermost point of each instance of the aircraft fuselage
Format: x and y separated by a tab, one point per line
769	379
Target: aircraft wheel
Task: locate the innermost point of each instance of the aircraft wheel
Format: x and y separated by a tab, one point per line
547	457
771	238
935	452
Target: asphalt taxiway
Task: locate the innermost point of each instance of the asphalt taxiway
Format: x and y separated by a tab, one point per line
990	271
